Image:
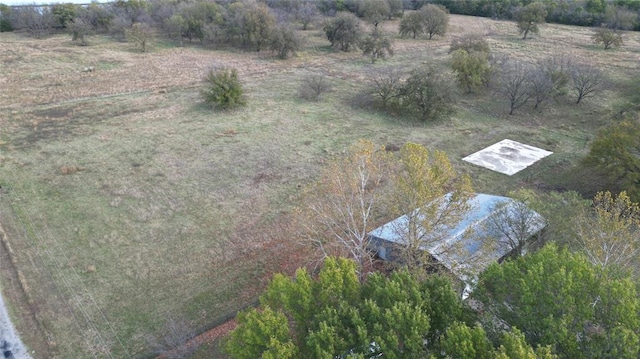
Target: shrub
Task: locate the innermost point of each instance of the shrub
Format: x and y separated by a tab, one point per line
222	89
427	95
285	41
313	87
470	43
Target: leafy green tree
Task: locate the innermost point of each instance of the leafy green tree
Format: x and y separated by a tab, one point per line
436	20
64	14
529	17
335	315
607	37
375	11
412	23
615	153
376	46
426	94
343	31
141	34
80	30
263	334
472	69
97	15
558	298
258	25
5	18
461	341
193	20
395	8
421	182
222	89
285	41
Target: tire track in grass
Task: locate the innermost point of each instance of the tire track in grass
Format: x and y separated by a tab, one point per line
76	300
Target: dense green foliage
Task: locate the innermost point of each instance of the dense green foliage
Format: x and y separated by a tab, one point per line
426	95
558	298
607	37
335	315
285	42
472	69
615	153
222	89
529	17
431	20
343	31
376	46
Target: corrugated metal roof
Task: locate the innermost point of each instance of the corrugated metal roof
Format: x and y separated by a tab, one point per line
466	249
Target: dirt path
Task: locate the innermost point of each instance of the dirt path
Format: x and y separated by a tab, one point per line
11	345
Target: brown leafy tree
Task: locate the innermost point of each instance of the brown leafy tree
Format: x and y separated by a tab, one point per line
607	37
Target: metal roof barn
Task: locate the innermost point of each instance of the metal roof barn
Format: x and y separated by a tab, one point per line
468	248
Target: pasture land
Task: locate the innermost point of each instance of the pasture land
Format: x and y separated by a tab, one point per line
127	202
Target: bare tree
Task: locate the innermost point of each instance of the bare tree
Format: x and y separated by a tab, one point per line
557	69
313	87
540	86
609	232
385	83
175	342
514	84
511	225
588	81
340	208
37	20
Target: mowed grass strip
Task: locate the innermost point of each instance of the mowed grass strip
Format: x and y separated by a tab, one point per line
124	195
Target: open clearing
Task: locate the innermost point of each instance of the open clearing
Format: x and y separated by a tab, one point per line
125	200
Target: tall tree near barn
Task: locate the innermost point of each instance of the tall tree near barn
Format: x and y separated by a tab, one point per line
609	233
341	206
433	197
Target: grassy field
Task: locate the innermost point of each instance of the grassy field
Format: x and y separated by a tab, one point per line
126	201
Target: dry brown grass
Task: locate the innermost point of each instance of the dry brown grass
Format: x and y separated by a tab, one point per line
178	210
